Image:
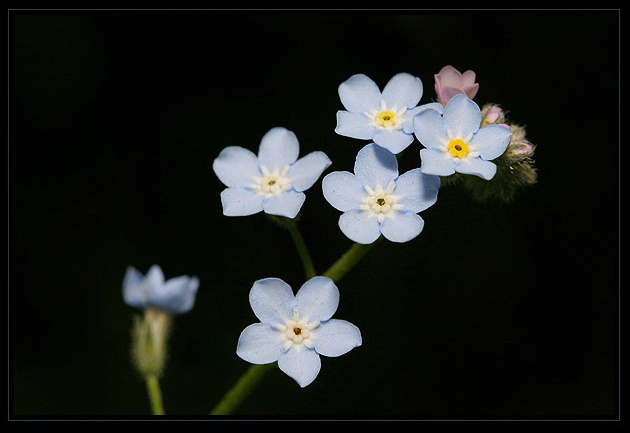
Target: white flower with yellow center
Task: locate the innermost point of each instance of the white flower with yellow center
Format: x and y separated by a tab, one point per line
273	181
377	201
387	117
455	142
296	330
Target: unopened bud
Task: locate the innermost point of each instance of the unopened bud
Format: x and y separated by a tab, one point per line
150	338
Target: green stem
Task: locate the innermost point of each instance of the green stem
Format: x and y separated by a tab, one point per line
347	261
241	389
300	245
155	394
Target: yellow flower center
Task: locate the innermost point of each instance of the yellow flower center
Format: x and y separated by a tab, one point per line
386	118
458	148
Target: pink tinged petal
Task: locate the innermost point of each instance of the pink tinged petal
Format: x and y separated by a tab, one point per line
462	117
354	125
436	162
417	191
260	344
429	129
491	141
403	227
403	91
343	190
468	78
287	204
278	147
359	94
236	166
395	141
317	299
448	77
478	167
471	90
301	364
336	337
360	226
306	170
375	165
272	300
240	202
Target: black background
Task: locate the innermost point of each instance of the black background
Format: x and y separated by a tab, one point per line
495	311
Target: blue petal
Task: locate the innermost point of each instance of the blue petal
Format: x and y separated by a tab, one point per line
240	202
343	190
360	226
278	147
301	364
478	167
354	125
403	90
287	204
134	292
375	165
236	166
336	337
359	94
260	344
177	295
491	141
402	227
317	299
395	140
429	129
462	116
306	170
417	190
436	162
272	300
408	126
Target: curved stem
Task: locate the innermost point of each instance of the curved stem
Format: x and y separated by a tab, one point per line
300	245
346	262
155	394
241	389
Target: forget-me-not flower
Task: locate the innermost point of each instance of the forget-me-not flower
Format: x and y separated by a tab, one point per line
455	142
375	200
174	296
385	118
273	181
296	330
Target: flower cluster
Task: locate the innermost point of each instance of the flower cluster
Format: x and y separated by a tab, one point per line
480	147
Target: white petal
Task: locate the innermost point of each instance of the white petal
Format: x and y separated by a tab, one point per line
343	190
359	94
360	226
478	167
272	300
491	141
278	147
375	165
318	299
403	227
236	166
354	125
306	170
417	191
436	162
395	141
429	129
287	204
300	363
240	202
403	91
336	337
462	116
260	344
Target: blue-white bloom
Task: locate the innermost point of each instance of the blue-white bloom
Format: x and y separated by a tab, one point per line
273	181
296	330
385	118
174	296
454	141
375	200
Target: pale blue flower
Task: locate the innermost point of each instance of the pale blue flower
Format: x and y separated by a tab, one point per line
296	330
174	296
454	141
273	181
375	200
385	118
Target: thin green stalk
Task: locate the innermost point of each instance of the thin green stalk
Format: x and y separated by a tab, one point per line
241	389
300	245
348	260
155	394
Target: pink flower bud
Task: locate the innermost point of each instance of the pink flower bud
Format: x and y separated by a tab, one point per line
493	114
450	82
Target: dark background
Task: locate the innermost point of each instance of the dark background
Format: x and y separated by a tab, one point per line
495	311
